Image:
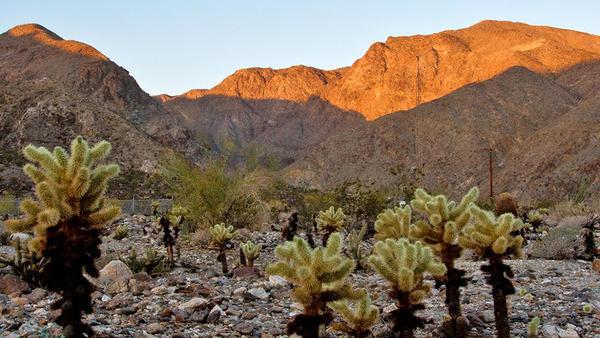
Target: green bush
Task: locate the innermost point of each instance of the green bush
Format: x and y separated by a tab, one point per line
215	193
8	205
560	242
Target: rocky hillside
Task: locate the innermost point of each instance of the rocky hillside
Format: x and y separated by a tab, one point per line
509	85
53	89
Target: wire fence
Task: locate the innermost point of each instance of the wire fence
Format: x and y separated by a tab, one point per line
142	206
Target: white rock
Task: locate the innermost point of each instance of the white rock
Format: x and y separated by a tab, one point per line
159	290
390	308
549	331
106	298
278	281
194	303
115	270
239	291
259	293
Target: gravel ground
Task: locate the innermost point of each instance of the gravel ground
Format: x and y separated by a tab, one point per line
194	299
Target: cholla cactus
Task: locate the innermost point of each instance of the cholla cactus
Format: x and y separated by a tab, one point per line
121	232
177	217
360	319
394	224
318	276
535	218
330	221
154	207
533	327
354	240
445	220
67	222
494	239
403	265
221	236
251	252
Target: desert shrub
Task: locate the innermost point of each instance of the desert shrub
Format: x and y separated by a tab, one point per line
565	209
214	193
486	204
563	241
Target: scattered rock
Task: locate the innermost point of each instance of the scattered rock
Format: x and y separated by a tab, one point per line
194	304
487	316
246	272
259	293
215	314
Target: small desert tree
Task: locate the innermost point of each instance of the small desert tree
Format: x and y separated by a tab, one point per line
445	219
403	265
67	222
318	276
495	239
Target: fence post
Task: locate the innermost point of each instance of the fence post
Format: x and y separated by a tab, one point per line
133	205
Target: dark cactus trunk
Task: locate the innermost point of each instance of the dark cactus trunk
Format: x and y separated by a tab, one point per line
70	249
453	283
405	321
501	287
222	257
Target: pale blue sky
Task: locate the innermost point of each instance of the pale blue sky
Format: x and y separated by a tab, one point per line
173	46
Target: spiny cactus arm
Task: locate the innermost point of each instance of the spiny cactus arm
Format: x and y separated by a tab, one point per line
35	173
334	244
465	203
20	225
98	152
450	232
46	194
44	157
80	184
79	155
337	272
284	270
99	218
62	158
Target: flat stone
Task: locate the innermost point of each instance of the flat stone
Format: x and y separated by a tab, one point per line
259	293
278	281
246	272
194	304
118	286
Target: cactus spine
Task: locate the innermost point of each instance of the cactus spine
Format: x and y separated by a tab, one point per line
330	221
403	265
318	275
440	232
494	239
67	222
251	252
222	235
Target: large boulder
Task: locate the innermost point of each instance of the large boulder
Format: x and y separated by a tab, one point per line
116	270
10	284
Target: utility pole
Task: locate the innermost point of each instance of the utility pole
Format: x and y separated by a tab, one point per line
418	145
490	149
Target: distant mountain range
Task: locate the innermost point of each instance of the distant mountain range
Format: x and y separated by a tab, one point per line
530	92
